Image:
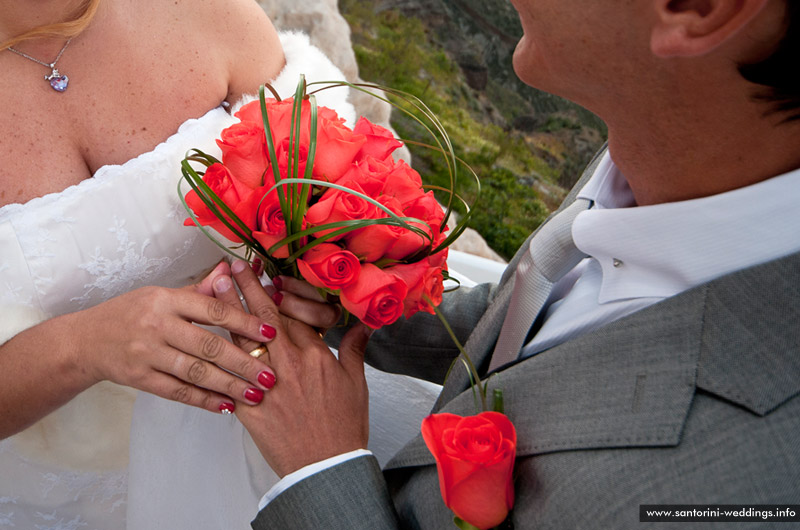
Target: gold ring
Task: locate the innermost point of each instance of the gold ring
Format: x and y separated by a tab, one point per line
258	352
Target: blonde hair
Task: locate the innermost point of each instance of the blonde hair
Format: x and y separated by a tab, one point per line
78	22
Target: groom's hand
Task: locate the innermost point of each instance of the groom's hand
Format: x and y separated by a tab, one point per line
318	407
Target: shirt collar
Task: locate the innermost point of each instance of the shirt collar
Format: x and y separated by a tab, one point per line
663	249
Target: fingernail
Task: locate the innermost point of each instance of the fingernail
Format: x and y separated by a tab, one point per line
267	379
257	266
227	408
268	331
238	266
222	284
254	395
277	298
278	283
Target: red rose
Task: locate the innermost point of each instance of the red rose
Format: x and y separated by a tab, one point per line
374	242
426	208
440	258
370	174
337	205
380	142
337	147
283	152
271	225
403	183
329	266
280	117
242	200
376	298
423	279
475	459
244	153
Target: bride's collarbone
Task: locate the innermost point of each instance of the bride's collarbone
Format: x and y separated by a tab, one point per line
125	96
50	141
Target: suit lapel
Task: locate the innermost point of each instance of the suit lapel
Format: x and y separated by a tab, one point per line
751	336
631	382
604	389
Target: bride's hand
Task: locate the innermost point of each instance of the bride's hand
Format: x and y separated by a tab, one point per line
146	339
294	298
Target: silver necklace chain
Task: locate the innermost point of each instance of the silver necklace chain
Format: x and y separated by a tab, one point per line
57	80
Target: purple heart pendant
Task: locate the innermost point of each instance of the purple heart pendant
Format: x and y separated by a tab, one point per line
59	82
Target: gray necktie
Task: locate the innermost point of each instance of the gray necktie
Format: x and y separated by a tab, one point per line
551	255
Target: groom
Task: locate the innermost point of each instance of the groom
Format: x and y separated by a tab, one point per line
666	367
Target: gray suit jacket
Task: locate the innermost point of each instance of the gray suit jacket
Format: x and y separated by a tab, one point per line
693	400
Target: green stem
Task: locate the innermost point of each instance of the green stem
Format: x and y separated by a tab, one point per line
463	525
474	376
499	405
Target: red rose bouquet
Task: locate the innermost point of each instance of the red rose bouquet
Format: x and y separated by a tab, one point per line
315	199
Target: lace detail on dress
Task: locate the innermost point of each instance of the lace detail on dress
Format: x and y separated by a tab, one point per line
119	274
60	524
47	500
108	488
13	293
6	517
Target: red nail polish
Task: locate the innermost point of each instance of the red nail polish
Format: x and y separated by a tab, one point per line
268	331
267	379
278	283
254	395
227	408
277	298
258	266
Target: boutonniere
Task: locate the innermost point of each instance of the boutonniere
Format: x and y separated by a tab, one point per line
474	456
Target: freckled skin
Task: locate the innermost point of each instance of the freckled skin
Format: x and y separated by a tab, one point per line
126	94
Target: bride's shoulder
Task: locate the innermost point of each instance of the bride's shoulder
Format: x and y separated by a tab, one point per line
238	31
243	34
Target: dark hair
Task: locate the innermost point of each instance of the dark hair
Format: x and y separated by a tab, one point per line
778	73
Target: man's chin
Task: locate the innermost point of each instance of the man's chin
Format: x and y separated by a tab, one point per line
525	65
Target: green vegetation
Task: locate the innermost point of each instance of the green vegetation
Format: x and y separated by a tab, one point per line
396	51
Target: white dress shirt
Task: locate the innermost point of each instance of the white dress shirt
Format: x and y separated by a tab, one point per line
640	255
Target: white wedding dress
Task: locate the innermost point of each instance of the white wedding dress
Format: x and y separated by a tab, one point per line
102	462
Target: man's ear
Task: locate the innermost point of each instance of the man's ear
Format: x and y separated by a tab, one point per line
687	28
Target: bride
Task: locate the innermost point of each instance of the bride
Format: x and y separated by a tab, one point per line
100	280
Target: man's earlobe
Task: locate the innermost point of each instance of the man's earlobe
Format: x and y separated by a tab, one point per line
687	28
